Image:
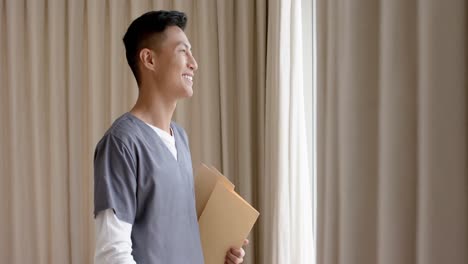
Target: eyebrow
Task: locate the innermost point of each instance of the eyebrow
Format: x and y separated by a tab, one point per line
184	44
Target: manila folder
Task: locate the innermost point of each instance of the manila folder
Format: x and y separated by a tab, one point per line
224	223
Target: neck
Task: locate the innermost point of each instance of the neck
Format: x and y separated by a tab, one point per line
154	108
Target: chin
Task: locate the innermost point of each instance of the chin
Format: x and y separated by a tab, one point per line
186	93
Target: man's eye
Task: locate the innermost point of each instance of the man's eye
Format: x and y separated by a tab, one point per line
183	50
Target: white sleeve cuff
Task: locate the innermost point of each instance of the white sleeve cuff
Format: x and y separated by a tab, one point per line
113	239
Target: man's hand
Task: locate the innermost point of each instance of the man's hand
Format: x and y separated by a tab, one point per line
236	255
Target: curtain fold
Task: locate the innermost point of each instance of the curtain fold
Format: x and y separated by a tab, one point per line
286	186
392	132
398	169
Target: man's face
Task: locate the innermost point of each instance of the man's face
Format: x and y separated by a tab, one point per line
175	65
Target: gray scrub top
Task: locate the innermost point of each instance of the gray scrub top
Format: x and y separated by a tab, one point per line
136	175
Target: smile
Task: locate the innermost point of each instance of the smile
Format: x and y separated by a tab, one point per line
188	77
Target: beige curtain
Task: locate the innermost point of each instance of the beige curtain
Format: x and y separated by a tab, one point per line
64	79
392	131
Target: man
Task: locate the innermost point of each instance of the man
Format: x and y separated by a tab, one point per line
144	192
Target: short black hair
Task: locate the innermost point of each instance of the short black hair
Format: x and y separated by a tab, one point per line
144	28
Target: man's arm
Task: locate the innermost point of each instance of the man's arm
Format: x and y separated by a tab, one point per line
113	239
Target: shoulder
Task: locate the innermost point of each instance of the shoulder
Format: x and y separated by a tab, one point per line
123	130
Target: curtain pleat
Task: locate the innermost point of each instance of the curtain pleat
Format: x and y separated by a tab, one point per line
443	132
286	196
397	205
392	132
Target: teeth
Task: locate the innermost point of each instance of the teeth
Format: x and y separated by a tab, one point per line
188	77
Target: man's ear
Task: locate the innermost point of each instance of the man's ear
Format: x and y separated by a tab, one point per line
148	59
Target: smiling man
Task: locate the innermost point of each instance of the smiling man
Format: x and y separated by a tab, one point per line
143	184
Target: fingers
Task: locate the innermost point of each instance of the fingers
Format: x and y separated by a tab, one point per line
235	256
238	252
228	261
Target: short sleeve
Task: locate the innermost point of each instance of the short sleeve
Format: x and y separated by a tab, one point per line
115	178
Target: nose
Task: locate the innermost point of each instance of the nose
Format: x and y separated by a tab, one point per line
192	63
